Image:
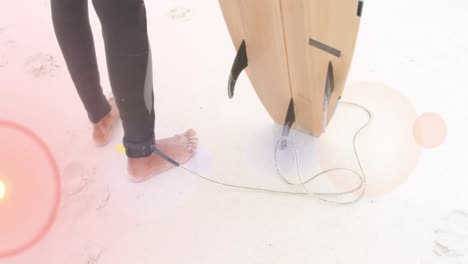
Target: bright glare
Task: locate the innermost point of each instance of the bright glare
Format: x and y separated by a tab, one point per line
2	190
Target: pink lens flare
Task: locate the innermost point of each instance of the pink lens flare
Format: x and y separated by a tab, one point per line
32	189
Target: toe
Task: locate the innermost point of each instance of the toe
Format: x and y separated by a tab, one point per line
190	133
193	140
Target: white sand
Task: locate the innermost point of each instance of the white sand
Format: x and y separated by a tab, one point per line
418	47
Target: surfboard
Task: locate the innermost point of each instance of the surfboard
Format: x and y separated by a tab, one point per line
296	53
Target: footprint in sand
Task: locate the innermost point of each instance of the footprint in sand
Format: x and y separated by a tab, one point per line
3	60
93	255
179	13
76	178
5	48
104	201
41	64
451	238
87	254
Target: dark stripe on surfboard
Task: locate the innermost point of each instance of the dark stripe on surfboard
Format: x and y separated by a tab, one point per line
324	47
240	63
360	7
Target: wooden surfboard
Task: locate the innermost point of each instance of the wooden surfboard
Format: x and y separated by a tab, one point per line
297	55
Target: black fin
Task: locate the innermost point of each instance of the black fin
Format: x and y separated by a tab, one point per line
290	119
360	7
330	83
240	63
329	89
288	122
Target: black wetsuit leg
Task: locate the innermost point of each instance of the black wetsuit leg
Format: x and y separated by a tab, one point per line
124	28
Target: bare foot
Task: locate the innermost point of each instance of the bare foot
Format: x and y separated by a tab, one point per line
180	148
102	130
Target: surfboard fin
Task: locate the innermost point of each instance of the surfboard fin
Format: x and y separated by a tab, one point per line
360	7
329	89
288	122
240	63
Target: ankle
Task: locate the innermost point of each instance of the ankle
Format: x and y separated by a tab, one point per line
104	120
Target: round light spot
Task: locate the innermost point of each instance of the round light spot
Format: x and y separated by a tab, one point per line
29	168
2	190
429	130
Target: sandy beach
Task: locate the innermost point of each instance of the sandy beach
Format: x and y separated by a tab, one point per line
411	58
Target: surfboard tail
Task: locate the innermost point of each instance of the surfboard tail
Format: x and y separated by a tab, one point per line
300	50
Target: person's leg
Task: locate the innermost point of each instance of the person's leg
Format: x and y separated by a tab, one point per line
73	32
124	28
129	66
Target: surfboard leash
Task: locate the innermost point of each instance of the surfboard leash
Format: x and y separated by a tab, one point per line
285	141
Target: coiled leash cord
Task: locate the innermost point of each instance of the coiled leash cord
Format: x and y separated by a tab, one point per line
321	196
